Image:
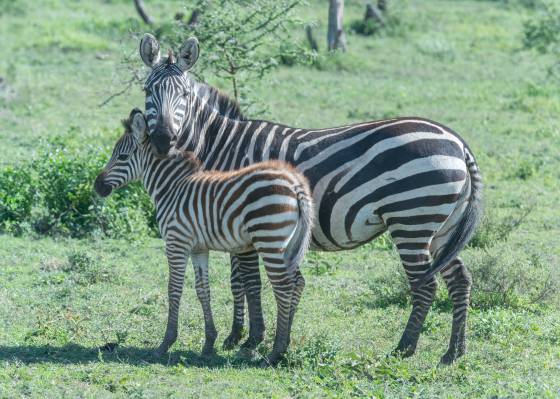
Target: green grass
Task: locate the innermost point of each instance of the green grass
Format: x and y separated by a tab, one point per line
461	63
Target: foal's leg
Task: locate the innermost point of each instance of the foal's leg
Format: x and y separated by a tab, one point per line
299	285
200	265
250	274
283	287
177	256
238	293
459	281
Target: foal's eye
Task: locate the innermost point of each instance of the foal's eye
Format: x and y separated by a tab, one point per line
122	157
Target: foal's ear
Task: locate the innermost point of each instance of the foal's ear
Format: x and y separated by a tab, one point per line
149	50
138	126
188	54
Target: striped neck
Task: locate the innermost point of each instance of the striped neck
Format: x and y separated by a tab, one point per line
159	176
209	133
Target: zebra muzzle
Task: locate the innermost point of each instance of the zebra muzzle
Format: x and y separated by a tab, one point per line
101	187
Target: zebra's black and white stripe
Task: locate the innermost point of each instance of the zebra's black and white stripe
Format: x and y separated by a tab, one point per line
412	177
264	208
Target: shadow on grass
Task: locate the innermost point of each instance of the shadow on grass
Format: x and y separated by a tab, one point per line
77	354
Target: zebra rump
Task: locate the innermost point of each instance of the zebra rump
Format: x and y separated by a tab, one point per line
466	227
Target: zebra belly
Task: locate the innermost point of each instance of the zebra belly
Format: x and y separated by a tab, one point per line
365	227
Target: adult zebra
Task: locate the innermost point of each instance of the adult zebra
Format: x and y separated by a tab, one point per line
412	177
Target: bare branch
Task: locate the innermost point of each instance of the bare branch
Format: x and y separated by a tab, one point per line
127	86
139	4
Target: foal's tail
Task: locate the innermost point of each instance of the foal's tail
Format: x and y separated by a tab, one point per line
301	239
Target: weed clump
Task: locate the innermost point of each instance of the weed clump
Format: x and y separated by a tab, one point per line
493	230
506	278
79	268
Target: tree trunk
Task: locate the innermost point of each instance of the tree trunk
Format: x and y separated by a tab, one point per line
382	5
193	20
311	39
335	36
139	4
373	13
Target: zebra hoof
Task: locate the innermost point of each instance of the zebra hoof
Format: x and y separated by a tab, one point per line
208	352
231	341
253	341
450	357
402	353
271	360
159	352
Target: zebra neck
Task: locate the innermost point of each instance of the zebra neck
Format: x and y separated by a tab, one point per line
160	177
225	137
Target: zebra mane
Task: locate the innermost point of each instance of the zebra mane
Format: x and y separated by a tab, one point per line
219	101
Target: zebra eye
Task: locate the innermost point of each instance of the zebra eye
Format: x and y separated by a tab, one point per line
122	157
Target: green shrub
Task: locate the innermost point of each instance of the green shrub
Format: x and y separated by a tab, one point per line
18	192
493	230
86	268
54	195
543	32
65	186
503	277
79	268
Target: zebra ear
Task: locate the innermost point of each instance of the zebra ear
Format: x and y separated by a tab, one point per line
138	126
149	50
188	54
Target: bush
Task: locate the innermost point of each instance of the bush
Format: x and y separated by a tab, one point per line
54	195
493	230
79	268
17	195
507	278
543	32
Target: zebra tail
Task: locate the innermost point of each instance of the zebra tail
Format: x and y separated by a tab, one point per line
466	226
301	239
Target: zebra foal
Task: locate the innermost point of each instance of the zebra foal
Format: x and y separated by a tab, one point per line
266	207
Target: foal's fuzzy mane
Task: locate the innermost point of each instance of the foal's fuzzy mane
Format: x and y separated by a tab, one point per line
190	160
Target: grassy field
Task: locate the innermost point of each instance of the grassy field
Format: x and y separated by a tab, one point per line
459	62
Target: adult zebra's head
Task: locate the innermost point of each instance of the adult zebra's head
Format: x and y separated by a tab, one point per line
169	91
125	163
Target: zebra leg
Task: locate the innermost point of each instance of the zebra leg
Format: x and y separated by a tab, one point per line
459	281
283	288
200	265
177	257
250	275
416	263
299	285
238	292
